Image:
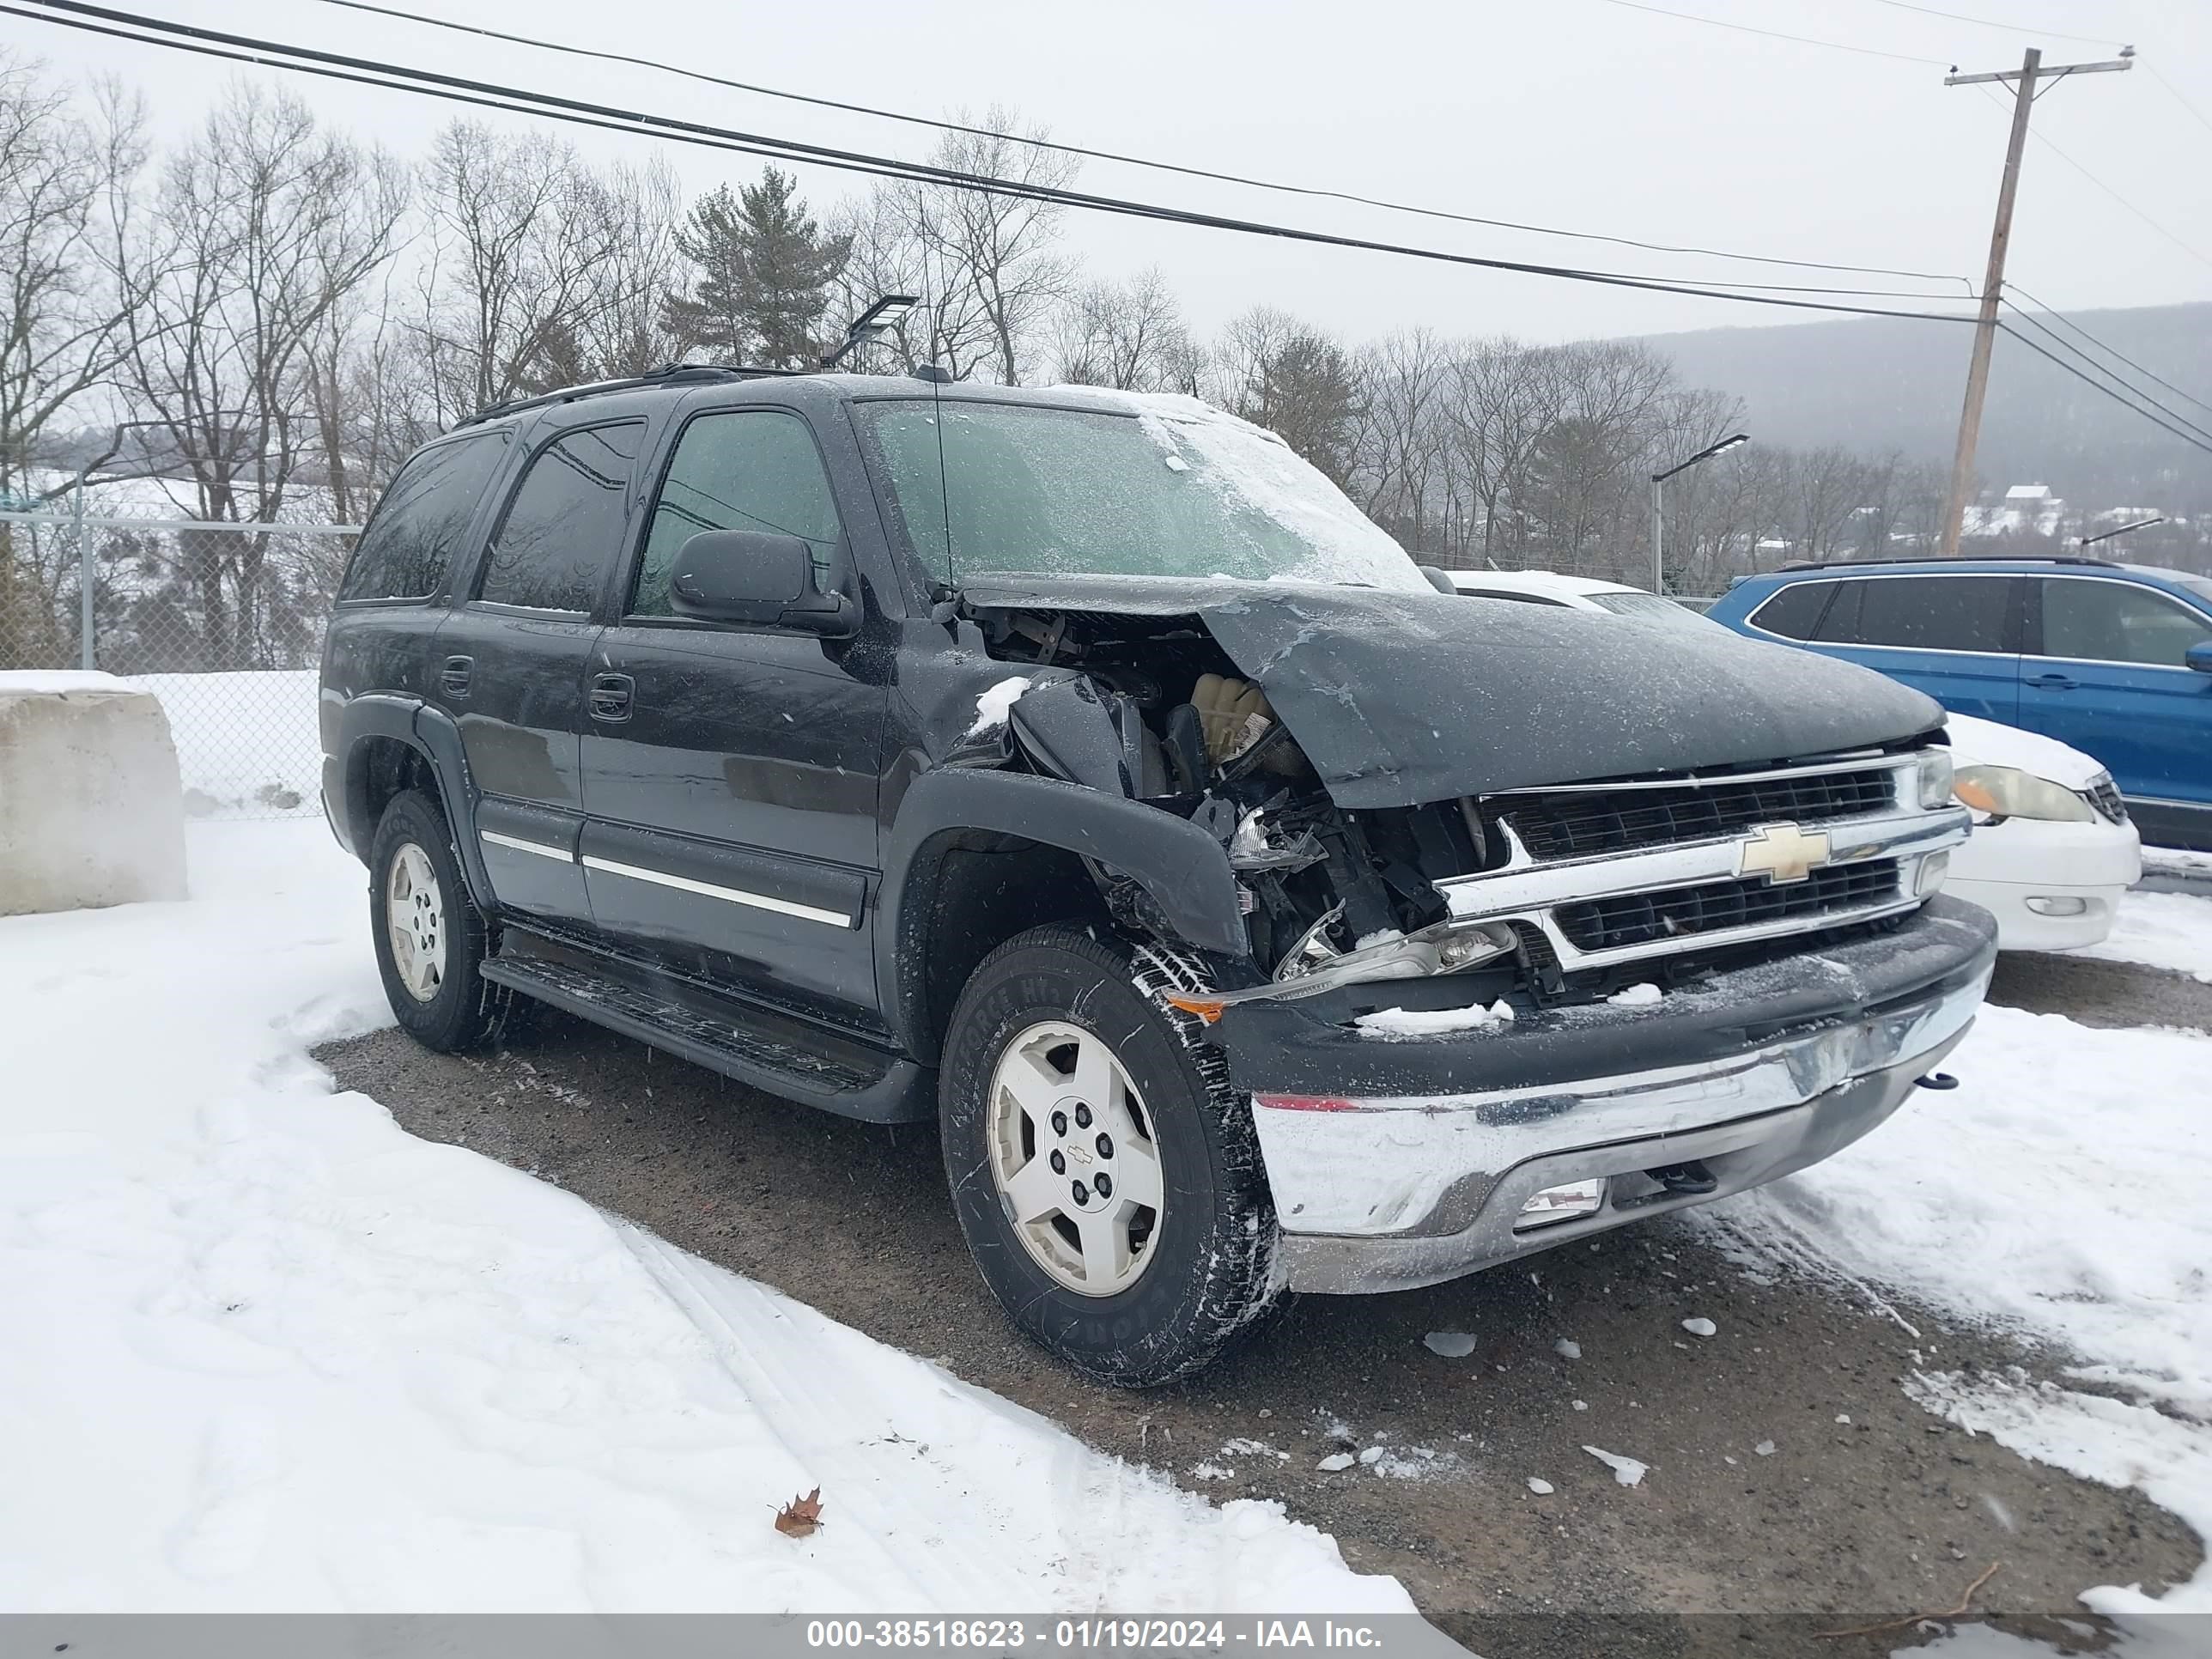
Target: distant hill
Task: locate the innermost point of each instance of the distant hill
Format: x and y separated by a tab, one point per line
1880	384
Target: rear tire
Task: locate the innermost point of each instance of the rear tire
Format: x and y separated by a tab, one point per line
430	937
1054	1052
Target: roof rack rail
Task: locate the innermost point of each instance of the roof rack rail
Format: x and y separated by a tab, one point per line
1963	558
667	374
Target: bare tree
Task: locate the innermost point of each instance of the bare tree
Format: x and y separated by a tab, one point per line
947	327
1127	335
522	235
985	264
60	322
265	227
61	312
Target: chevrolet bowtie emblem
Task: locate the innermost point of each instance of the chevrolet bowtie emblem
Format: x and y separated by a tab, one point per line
1781	852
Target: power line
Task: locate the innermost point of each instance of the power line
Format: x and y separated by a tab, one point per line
78	14
2065	345
2084	376
2056	315
234	48
1776	34
1134	160
2047	144
2174	92
1991	23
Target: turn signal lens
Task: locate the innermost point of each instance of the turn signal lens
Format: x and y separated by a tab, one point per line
1206	1008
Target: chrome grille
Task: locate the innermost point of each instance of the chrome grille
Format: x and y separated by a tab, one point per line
1580	823
2105	796
1631	919
1613	872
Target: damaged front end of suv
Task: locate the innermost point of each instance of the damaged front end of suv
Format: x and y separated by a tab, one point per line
1551	921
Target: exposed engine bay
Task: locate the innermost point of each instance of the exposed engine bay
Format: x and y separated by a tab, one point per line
1151	706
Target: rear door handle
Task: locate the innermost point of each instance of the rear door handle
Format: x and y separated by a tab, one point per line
611	697
2054	683
453	678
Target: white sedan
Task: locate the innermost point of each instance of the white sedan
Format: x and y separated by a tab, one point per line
2051	850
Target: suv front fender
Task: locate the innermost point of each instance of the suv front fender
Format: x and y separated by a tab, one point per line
1182	870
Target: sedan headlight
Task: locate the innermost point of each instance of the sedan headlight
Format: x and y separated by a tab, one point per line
2005	792
1935	778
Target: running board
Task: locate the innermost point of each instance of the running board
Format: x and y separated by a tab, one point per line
768	1052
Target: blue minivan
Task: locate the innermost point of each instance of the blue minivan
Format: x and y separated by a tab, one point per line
2114	658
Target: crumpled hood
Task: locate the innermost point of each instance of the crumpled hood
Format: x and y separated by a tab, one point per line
1402	698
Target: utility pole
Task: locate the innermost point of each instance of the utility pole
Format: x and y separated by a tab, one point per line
2031	71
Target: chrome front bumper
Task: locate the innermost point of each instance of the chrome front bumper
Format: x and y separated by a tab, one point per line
1388	1193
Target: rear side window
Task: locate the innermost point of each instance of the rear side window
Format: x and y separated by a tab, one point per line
412	536
564	527
1923	613
2112	622
753	468
1794	610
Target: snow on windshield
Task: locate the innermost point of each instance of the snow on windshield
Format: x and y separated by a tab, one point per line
1079	487
1252	464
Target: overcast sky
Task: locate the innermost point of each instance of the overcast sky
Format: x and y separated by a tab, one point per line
1584	114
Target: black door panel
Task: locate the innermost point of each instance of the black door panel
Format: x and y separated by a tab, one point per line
731	777
748	762
521	719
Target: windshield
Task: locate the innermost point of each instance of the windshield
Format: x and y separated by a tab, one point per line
2198	586
1191	492
1651	605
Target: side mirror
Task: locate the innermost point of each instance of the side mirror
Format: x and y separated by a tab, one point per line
757	580
1437	579
2199	657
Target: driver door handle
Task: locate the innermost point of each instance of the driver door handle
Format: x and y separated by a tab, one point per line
610	697
2054	683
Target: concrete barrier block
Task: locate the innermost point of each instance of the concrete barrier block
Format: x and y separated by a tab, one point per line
91	810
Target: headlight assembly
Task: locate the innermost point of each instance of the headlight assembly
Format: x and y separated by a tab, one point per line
1935	778
2005	792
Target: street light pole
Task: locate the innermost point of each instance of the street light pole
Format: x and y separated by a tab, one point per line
2089	542
1658	504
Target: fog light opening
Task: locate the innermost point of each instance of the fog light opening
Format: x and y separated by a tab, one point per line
2059	907
1562	1203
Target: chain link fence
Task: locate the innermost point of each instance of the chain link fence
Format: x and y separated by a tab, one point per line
223	622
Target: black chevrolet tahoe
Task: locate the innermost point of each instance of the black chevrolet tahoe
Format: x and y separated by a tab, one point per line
1083	772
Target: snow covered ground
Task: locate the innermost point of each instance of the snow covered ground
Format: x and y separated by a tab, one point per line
2162	930
2065	1188
269	1351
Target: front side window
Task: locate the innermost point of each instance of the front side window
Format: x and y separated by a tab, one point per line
412	536
1923	613
564	527
751	469
1144	489
2112	622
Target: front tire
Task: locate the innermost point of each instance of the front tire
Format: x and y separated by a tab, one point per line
430	937
1108	1179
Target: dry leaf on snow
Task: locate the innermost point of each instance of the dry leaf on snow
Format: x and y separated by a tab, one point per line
800	1517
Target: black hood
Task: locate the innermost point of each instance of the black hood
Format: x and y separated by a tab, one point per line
1402	698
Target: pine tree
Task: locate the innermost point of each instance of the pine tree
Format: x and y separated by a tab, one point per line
765	270
712	314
